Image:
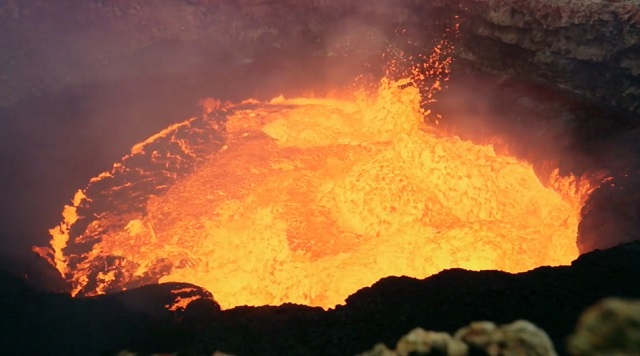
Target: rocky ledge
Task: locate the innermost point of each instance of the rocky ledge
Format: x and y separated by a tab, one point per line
591	47
552	298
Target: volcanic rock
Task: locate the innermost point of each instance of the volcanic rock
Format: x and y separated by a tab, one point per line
588	46
611	327
518	338
422	342
128	353
35	322
478	335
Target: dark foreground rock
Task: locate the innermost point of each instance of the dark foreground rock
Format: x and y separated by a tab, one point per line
520	338
82	81
612	327
552	298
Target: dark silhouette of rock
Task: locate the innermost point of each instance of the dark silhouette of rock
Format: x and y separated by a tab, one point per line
552	298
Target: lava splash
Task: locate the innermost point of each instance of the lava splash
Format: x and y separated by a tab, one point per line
308	200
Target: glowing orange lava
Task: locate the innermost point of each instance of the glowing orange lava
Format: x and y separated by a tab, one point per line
308	200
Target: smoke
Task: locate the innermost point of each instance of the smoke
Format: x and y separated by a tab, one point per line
80	83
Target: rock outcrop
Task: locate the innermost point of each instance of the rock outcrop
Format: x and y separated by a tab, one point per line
37	323
591	47
422	342
611	327
608	328
520	338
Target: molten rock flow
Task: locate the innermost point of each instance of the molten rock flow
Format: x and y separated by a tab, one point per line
307	201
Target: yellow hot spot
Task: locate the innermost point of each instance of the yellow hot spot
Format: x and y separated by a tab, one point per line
315	211
60	233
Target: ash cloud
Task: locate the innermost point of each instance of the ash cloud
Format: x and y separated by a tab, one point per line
80	83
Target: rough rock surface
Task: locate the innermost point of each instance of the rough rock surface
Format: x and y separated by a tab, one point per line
422	342
592	47
128	353
611	327
518	338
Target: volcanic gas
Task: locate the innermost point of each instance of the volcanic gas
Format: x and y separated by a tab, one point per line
307	200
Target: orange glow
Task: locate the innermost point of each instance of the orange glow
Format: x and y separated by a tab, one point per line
184	296
311	199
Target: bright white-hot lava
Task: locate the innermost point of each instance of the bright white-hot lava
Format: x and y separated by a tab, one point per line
308	200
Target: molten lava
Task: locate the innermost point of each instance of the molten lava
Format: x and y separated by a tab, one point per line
308	200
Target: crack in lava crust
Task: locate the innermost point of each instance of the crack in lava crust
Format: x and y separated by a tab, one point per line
309	200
